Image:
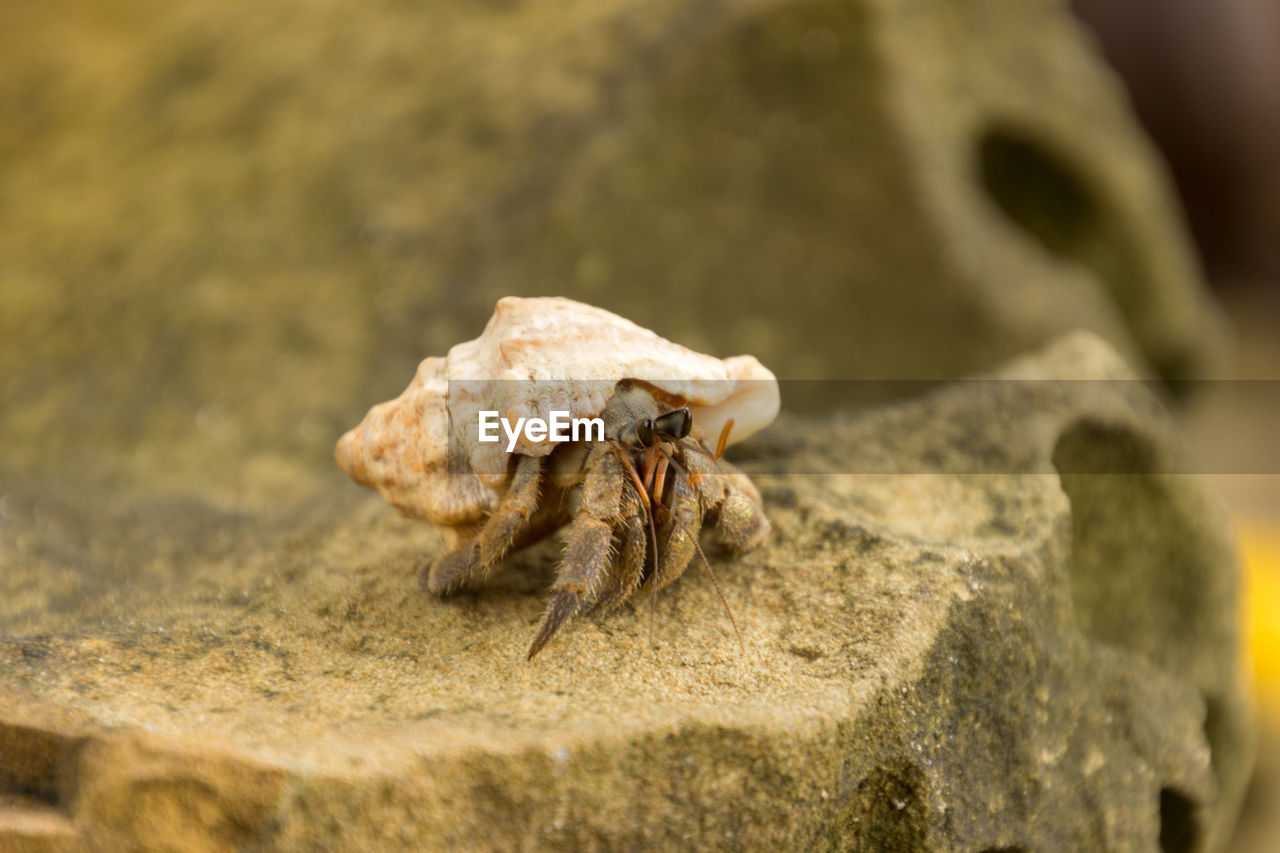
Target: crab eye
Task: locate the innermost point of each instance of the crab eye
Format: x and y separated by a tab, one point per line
685	423
674	425
644	430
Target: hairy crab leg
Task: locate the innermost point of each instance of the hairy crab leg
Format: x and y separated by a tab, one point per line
509	521
587	546
512	514
630	554
659	476
715	582
586	557
641	487
644	499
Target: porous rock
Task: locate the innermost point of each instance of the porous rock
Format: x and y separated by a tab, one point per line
998	617
252	214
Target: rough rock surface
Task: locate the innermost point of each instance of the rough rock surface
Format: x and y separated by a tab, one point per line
269	215
988	619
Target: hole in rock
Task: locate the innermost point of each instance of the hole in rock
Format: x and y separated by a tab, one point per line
1178	830
1057	205
32	762
1040	192
1138	563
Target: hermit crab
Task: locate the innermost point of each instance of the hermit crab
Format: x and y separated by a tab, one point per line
632	491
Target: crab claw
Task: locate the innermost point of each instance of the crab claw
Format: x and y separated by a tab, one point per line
562	608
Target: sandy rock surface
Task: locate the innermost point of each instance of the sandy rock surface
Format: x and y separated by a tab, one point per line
985	619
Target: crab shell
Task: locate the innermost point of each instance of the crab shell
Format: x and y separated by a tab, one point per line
422	452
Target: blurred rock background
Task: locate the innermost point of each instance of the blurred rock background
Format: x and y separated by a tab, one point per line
226	229
1204	79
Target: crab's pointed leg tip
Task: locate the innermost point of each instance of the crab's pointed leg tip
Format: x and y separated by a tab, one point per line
562	607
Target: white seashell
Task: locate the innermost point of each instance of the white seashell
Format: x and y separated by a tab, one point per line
535	356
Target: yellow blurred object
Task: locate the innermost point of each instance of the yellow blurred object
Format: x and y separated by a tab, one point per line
1260	547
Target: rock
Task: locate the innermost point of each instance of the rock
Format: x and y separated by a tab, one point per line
1208	91
1001	616
258	222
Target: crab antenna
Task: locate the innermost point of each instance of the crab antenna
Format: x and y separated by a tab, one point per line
720	445
724	439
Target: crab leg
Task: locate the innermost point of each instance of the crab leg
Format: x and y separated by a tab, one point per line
685	503
586	553
685	515
513	512
740	524
642	490
642	486
447	572
632	547
480	554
